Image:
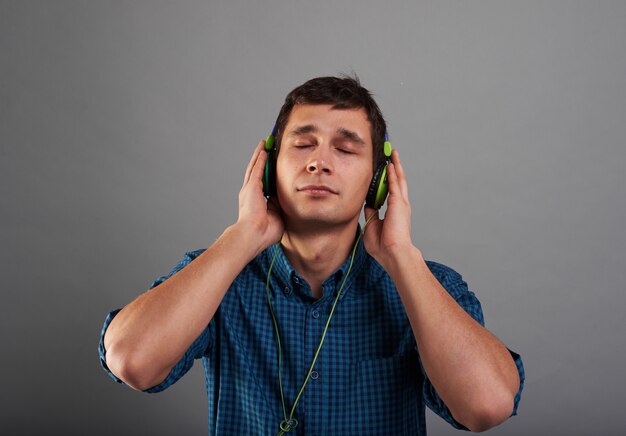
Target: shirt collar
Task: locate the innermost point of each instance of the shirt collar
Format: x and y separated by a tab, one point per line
290	280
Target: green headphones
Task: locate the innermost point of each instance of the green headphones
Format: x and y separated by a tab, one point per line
376	194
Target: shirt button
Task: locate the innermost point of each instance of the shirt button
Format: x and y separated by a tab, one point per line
287	290
314	375
315	313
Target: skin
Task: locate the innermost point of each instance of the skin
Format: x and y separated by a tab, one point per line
469	367
322	146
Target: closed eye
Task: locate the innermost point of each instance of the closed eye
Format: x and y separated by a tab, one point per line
343	150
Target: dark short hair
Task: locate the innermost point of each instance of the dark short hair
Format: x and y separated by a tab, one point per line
342	92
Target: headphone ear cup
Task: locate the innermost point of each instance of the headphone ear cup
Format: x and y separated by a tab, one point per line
269	174
378	189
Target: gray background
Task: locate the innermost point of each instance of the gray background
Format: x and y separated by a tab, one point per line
126	127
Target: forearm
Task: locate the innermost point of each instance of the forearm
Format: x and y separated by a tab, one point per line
150	335
470	368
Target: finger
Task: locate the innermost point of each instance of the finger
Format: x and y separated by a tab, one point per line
260	146
392	180
256	174
255	156
400	173
395	189
401	177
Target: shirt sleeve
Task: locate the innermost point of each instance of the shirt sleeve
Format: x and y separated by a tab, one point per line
455	285
199	348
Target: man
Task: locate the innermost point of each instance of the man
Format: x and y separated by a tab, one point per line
303	326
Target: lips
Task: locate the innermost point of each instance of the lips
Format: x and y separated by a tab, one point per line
318	189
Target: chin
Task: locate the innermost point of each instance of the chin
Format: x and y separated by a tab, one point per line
318	212
327	216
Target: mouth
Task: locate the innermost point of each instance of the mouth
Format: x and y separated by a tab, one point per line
317	190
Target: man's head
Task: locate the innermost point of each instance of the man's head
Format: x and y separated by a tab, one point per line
331	134
342	93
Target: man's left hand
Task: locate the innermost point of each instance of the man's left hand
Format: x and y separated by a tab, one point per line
390	236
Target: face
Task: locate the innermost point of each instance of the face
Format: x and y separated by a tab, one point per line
324	166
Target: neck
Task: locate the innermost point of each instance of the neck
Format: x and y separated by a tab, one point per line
316	254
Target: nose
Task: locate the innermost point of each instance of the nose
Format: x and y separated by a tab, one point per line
320	161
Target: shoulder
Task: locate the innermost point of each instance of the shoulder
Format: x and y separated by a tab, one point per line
443	273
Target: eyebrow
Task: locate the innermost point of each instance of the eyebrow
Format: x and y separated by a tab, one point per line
351	136
344	133
302	130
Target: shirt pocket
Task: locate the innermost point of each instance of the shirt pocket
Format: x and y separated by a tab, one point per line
387	395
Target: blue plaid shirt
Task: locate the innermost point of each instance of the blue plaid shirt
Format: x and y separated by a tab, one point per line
368	378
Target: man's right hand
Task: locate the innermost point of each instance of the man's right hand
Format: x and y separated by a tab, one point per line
151	334
255	213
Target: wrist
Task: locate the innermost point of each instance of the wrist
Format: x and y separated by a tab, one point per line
246	238
399	256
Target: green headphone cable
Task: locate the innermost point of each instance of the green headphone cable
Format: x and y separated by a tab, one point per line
288	424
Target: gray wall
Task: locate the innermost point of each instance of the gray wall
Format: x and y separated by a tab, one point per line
126	126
